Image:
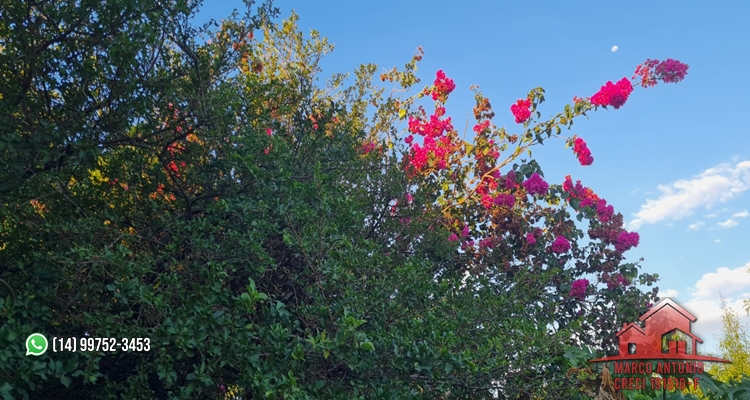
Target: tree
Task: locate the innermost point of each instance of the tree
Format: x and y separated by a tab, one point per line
278	238
734	345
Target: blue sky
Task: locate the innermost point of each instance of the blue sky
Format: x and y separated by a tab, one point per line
674	160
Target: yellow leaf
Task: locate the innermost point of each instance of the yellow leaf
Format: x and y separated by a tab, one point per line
96	176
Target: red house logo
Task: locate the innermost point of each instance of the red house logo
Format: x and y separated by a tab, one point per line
664	335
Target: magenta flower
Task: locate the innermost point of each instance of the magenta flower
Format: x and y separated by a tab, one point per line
453	237
443	86
626	241
613	94
465	231
582	152
578	289
486	243
535	185
671	71
521	110
510	180
505	199
531	238
560	245
604	211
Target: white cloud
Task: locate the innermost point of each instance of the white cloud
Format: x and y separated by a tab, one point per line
705	302
712	215
717	241
724	281
708	325
668	293
680	199
728	223
696	225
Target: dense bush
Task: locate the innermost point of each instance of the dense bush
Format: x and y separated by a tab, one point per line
276	237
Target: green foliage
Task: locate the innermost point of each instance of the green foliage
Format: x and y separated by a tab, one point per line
200	188
734	345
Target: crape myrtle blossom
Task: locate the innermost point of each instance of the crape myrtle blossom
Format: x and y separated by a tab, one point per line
582	151
521	110
505	200
437	146
505	193
626	241
578	289
560	245
671	71
443	86
668	71
535	185
613	94
368	147
611	229
585	195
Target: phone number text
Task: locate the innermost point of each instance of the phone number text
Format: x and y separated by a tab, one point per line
91	344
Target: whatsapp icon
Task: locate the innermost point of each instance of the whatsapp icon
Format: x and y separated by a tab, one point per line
36	344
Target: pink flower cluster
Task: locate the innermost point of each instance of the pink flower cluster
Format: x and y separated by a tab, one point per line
521	110
535	185
560	245
433	127
589	199
671	71
645	72
613	94
578	191
603	211
626	241
482	127
668	71
510	180
582	151
578	289
443	86
531	238
368	147
434	144
505	200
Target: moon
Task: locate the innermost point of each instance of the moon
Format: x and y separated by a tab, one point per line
614	49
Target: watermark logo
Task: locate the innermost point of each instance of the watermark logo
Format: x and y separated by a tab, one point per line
660	349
